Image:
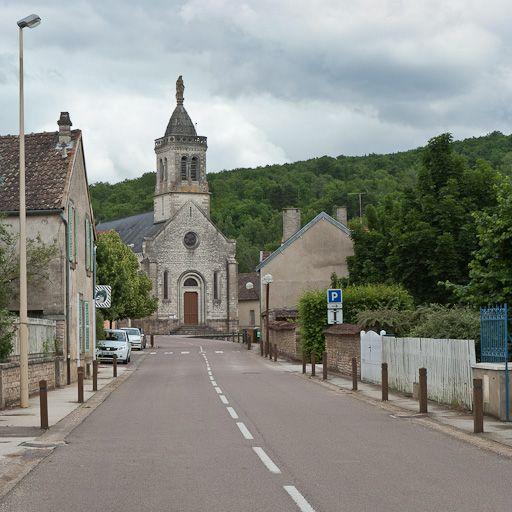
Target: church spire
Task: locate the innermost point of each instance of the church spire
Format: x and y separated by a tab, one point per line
180	88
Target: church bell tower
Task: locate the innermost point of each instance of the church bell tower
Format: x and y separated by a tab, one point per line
180	164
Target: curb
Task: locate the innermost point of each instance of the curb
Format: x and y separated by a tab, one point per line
18	465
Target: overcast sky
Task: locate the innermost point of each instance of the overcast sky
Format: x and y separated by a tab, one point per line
266	81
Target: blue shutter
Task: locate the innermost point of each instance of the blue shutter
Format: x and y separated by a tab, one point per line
87	327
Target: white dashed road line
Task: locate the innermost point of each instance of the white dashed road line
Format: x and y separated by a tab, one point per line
269	463
223	399
214	384
219	351
244	430
232	413
296	496
219	391
185	352
152	353
167	353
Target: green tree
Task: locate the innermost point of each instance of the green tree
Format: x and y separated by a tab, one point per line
131	288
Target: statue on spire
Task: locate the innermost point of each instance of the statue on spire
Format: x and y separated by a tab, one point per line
180	89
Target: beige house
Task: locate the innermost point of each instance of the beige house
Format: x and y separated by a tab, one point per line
307	257
249	300
58	212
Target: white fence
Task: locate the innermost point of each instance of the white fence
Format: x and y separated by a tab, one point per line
448	364
41	337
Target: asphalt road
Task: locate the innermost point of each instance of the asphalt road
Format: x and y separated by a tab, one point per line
250	437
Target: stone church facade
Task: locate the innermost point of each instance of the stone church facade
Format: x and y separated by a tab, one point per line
191	263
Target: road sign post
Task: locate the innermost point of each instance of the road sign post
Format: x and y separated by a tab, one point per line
334	306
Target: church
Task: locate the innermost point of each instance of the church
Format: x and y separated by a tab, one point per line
191	264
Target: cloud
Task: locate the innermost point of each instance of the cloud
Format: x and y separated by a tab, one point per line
266	80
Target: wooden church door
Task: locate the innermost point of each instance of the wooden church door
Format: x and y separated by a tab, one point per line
191	308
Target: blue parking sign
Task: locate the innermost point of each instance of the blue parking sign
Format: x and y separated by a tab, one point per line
334	296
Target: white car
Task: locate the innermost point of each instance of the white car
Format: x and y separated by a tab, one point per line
116	342
135	336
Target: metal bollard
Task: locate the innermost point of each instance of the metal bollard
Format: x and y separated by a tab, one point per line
423	391
43	403
275	352
249	340
261	348
385	385
80	370
313	364
324	366
68	369
152	340
95	375
304	362
114	365
267	349
478	406
354	374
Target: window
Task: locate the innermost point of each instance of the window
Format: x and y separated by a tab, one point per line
252	317
89	245
166	284
184	168
160	176
193	169
190	240
165	169
216	285
190	281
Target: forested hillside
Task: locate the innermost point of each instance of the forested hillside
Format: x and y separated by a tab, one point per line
247	203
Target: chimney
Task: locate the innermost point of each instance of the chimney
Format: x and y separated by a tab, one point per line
291	222
64	128
341	214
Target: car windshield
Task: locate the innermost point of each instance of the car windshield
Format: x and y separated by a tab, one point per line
133	332
115	336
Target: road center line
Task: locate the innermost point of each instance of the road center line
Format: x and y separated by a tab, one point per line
152	353
214	383
244	430
298	498
219	391
223	399
232	413
185	352
269	463
219	351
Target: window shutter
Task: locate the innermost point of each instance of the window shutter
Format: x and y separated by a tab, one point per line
70	232
91	247
75	230
86	228
87	327
80	324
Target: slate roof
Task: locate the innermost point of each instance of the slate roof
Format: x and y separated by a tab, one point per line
46	173
133	229
180	123
300	232
243	292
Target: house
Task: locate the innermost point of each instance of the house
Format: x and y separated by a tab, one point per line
59	212
249	300
190	262
306	258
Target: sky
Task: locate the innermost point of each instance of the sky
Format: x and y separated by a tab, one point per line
267	81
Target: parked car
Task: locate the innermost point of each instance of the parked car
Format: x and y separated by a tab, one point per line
135	336
116	342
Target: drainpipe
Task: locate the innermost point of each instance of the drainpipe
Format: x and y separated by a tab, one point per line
68	355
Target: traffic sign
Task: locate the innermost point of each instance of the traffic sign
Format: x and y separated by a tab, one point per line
103	296
334	316
334	296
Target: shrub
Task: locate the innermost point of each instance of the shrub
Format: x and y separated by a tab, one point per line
393	321
312	308
7	332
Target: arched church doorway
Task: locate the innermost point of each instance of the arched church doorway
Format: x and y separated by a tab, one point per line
192	298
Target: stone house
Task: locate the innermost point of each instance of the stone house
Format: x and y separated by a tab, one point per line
249	315
191	264
59	213
307	257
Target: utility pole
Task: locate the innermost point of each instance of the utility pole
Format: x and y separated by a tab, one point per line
360	194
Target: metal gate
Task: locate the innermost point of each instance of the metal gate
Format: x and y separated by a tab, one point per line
371	356
494	339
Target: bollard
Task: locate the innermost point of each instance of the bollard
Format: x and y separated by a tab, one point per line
478	406
80	370
43	404
249	340
275	352
354	374
423	391
313	364
324	366
267	349
68	369
261	347
385	387
95	375
114	365
304	362
152	340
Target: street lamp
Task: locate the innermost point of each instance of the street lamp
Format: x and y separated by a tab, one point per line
30	21
266	280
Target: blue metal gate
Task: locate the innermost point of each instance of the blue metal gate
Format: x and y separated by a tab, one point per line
494	342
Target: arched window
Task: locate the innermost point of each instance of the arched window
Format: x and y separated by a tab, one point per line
193	168
166	284
184	168
165	169
190	281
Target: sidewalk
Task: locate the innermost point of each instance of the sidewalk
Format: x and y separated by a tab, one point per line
494	430
21	427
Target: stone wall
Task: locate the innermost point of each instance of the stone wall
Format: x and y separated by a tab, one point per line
342	343
49	368
286	336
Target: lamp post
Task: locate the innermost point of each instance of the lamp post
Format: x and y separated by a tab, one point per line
266	280
30	21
